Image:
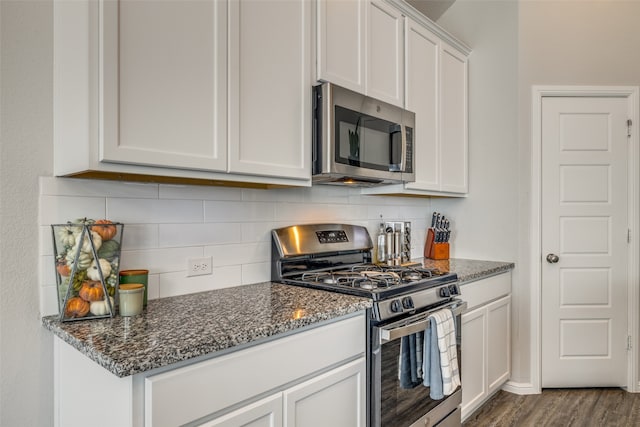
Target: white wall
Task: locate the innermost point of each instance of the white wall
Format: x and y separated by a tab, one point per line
25	153
568	43
487	222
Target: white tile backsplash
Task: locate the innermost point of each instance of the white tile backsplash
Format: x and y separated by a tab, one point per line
223	211
173	235
167	224
154	211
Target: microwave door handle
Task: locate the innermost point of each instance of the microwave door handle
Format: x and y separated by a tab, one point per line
403	154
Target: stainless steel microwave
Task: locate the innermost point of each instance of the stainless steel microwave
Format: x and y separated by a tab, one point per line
359	140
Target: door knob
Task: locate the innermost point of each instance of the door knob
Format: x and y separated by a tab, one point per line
552	258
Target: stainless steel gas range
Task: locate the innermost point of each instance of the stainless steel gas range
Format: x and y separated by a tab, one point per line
338	258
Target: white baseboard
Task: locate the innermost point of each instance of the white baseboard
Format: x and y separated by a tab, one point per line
520	388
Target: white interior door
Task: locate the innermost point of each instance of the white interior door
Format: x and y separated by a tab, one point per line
585	224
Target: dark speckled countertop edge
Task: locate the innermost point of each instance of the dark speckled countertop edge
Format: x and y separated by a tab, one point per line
164	334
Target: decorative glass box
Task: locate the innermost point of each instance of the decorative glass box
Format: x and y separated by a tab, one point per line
87	258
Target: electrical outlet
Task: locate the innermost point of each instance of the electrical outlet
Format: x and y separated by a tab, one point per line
199	266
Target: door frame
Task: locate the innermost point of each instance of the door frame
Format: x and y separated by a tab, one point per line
535	231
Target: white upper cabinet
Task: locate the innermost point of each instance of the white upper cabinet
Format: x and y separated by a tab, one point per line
422	60
214	90
340	42
436	90
385	53
360	47
163	84
270	88
453	121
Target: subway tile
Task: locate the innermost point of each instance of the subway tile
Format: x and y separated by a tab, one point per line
328	194
239	254
256	273
159	260
223	211
147	211
47	271
96	188
177	283
48	301
46	240
258	231
60	209
153	286
319	212
172	235
199	192
294	195
140	236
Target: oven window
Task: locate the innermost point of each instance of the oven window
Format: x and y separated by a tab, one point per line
367	141
402	406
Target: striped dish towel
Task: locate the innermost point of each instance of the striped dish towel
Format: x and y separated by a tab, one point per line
446	333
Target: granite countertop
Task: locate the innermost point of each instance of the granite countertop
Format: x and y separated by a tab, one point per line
179	328
469	270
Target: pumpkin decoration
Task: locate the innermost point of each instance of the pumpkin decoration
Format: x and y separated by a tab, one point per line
109	250
67	235
76	307
105	228
62	268
86	243
84	259
94	274
101	308
91	290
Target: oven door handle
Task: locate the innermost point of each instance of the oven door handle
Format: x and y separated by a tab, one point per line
416	323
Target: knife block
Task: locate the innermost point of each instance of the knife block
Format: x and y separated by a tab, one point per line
440	251
433	250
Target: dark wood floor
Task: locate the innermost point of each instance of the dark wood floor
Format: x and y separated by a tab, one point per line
560	407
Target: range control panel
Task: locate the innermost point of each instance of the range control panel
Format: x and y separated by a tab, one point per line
332	236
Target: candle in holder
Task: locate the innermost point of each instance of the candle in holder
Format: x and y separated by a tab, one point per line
131	299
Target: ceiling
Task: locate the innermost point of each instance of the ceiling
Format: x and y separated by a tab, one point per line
432	9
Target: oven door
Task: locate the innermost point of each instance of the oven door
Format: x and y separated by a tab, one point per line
394	405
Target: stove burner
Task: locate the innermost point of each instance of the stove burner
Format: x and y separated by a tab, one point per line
365	284
412	276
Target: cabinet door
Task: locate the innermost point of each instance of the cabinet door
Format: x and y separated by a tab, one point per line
163	83
385	53
335	398
499	342
421	96
474	359
263	413
341	43
453	121
270	88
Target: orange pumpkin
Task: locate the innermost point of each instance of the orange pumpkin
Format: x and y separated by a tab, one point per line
91	290
105	228
76	307
63	269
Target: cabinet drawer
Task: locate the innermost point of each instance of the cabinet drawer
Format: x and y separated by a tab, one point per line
188	393
486	290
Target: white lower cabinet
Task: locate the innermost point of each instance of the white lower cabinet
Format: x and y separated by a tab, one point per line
266	412
486	340
288	381
305	405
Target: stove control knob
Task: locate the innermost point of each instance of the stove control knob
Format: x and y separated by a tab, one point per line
407	303
454	290
395	306
444	292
